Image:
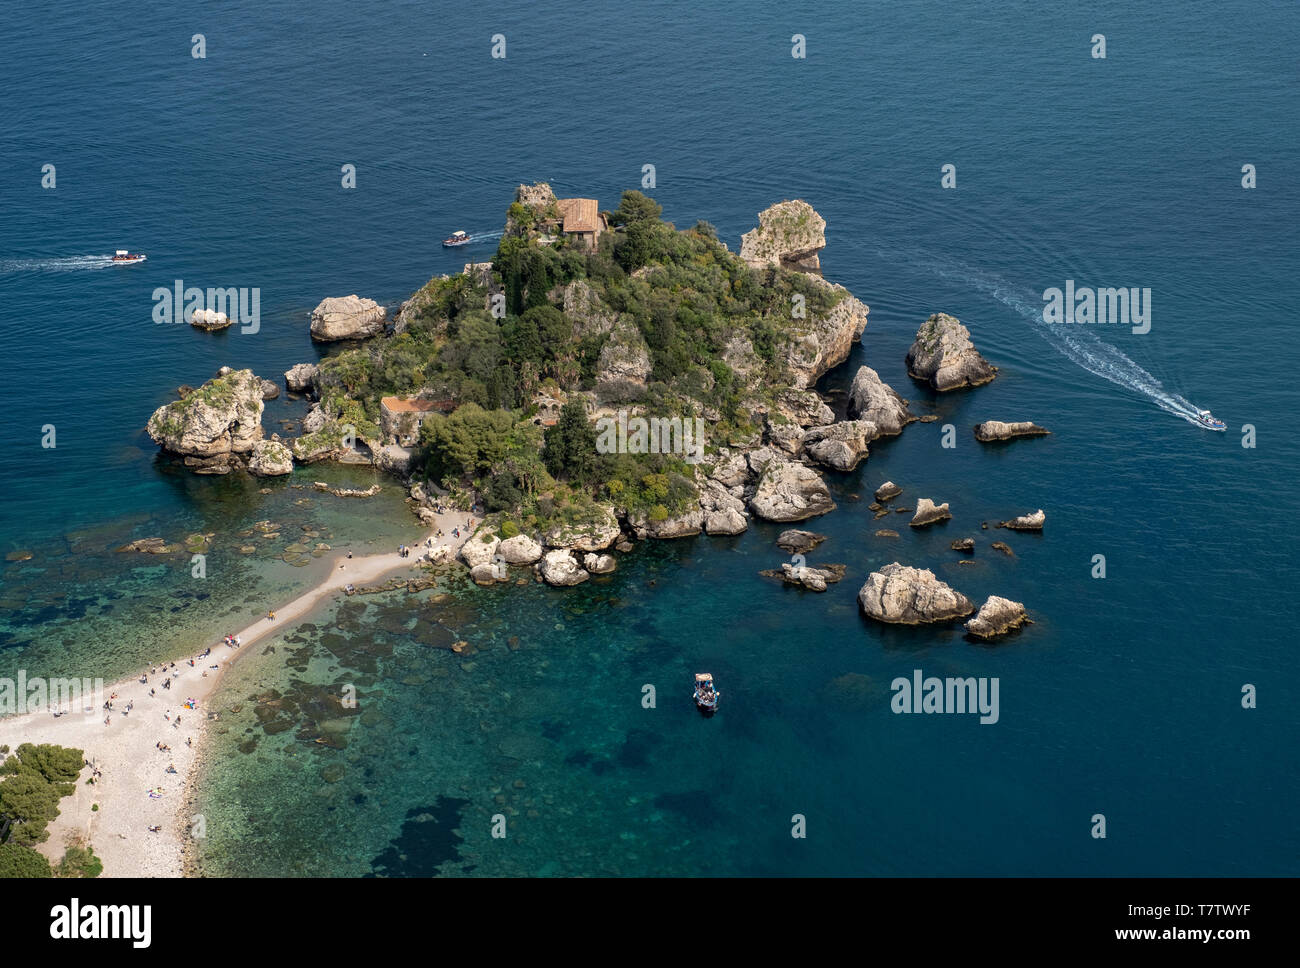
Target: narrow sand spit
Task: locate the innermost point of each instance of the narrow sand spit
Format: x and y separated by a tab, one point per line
126	749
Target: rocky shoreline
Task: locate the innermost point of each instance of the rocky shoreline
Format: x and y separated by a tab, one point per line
771	473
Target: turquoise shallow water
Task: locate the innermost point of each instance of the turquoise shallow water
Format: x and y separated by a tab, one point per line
1122	698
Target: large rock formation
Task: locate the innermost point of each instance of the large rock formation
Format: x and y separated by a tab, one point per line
346	317
476	551
301	377
558	568
901	595
840	446
997	430
270	458
927	512
787	491
520	550
682	525
724	513
997	616
870	398
804	408
584	308
943	355
624	363
789	234
215	427
823	340
594	535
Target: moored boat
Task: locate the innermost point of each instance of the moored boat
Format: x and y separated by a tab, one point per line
706	697
1209	421
456	239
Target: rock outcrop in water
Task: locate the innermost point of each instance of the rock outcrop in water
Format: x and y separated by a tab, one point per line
997	616
840	446
927	513
215	427
799	542
944	356
787	491
270	458
901	595
991	430
346	317
814	578
789	234
209	319
1026	522
558	568
520	550
870	398
888	491
302	377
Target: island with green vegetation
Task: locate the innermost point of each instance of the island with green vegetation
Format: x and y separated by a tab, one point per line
606	378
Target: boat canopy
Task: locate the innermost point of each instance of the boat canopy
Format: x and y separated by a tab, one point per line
703	677
121	252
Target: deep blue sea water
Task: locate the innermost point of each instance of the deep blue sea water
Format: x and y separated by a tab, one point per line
1122	699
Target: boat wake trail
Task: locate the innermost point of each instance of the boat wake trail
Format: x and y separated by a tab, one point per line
485	236
1076	343
73	263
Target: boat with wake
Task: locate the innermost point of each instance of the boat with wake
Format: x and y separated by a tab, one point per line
123	257
1209	421
456	239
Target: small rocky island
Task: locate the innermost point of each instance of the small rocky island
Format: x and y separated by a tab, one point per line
608	378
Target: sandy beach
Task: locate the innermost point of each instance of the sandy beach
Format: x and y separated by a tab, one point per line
133	790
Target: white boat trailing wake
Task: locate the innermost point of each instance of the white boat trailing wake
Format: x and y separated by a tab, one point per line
1079	344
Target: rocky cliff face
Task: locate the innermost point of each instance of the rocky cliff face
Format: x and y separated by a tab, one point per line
624	364
944	355
584	308
789	234
346	317
215	427
823	340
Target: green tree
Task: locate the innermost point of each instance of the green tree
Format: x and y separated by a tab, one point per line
16	861
79	861
571	445
635	207
30	802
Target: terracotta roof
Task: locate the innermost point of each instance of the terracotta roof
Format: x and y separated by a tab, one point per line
579	214
400	405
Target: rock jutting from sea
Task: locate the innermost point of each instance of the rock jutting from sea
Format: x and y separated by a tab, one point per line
901	595
944	356
992	430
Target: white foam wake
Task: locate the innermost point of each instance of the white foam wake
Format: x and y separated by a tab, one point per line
73	263
1078	344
